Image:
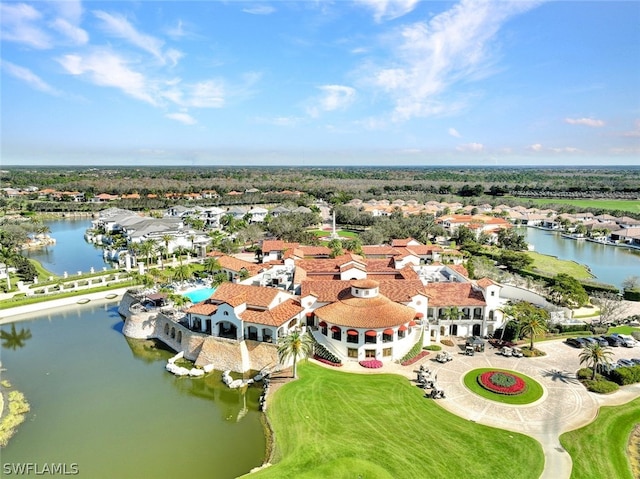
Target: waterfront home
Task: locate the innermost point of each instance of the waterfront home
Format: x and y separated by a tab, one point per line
630	236
479	224
239	311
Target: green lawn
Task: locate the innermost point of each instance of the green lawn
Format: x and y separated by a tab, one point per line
341	233
599	450
332	424
551	266
622	330
533	393
632	206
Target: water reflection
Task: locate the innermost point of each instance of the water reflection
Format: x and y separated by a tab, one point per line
14	339
233	404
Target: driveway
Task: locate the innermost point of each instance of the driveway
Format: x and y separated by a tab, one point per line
565	404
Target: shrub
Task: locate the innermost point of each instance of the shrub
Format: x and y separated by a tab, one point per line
624	376
601	386
433	347
532	353
635	335
447	342
326	361
586	373
414	351
323	355
502	382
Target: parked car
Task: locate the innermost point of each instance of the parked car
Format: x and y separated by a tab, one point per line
626	340
589	340
601	341
613	341
626	363
636	361
576	342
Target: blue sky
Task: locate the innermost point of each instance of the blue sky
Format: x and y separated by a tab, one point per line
364	82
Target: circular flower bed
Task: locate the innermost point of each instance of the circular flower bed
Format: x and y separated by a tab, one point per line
502	382
371	364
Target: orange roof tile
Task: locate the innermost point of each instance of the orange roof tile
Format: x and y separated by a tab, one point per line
376	312
454	294
273	317
206	309
236	294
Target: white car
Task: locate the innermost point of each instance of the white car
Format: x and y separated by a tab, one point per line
626	340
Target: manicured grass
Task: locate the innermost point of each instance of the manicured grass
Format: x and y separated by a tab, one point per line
622	330
533	393
341	233
623	205
331	424
600	449
551	266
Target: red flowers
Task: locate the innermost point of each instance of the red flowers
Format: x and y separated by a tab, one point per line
326	361
409	362
371	364
502	382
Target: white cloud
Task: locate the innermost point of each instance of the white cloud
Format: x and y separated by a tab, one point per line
453	132
635	133
259	10
334	97
120	27
474	147
28	77
105	68
430	57
76	34
535	147
389	9
18	24
585	121
565	149
184	118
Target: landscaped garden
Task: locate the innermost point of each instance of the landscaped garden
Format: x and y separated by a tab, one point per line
503	386
601	448
334	424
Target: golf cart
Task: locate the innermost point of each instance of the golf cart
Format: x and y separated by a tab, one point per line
517	353
469	351
506	351
444	357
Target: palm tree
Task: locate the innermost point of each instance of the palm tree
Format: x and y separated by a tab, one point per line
147	249
294	345
166	239
212	265
452	312
182	272
595	356
534	324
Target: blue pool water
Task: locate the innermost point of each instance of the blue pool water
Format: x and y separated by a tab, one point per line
198	295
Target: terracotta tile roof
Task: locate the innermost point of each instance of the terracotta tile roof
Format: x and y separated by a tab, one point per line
273	317
314	250
382	250
235	264
460	269
401	242
206	309
236	294
327	291
277	245
485	282
424	249
377	312
454	294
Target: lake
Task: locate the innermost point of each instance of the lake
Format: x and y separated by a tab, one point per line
609	264
107	404
71	253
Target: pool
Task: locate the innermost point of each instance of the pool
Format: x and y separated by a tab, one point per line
198	295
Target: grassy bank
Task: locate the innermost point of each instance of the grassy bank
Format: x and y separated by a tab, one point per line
550	265
339	425
632	206
600	449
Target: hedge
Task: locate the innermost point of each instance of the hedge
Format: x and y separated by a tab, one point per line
626	375
632	294
602	386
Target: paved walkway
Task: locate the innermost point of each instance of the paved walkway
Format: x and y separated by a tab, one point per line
564	406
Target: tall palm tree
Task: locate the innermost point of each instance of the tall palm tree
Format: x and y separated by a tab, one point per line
182	272
452	312
147	249
595	356
294	345
211	265
534	324
166	239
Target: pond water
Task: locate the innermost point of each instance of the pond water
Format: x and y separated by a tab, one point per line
71	253
609	264
107	404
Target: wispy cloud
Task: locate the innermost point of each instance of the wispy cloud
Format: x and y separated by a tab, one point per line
259	10
18	23
74	33
472	147
535	147
106	68
119	26
333	97
453	132
389	9
592	122
635	133
30	78
431	57
183	118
